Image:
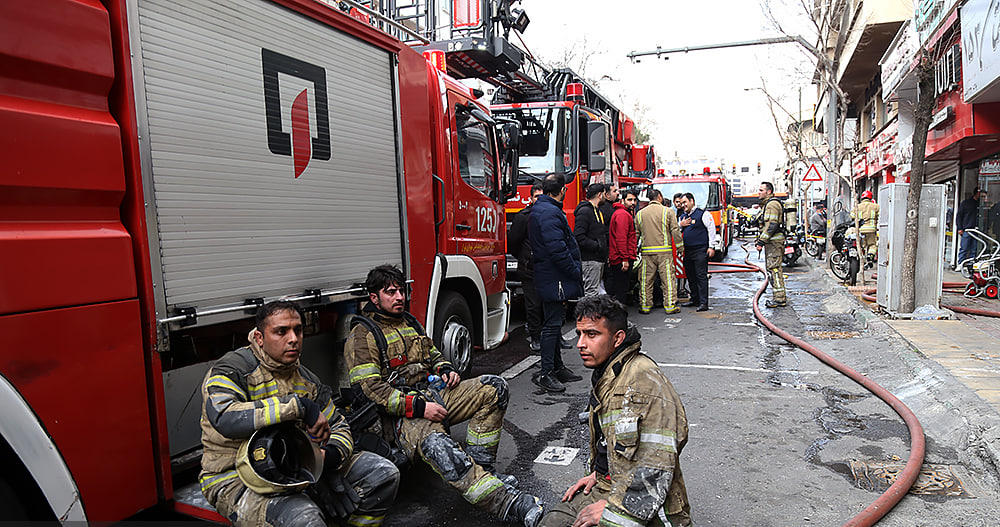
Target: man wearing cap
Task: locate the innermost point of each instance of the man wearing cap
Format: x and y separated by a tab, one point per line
262	385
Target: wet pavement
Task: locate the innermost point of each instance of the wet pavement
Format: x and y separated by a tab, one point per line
776	437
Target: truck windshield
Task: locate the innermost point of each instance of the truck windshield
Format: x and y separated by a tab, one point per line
706	193
546	141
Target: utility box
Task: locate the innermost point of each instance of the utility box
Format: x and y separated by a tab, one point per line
930	246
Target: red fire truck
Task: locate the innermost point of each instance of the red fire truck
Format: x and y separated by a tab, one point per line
567	127
641	166
711	192
166	171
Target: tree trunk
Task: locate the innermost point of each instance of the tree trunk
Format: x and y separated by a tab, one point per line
925	104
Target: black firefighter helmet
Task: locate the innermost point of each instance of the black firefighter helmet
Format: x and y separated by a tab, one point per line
279	459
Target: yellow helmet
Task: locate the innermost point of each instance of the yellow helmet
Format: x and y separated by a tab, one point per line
279	459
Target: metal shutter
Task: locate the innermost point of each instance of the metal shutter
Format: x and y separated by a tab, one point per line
232	219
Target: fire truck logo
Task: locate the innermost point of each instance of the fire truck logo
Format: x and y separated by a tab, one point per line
300	143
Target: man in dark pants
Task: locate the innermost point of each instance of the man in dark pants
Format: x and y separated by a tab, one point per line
520	247
623	247
968	218
682	283
591	231
698	229
558	278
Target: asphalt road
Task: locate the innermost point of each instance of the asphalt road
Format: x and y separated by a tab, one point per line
776	437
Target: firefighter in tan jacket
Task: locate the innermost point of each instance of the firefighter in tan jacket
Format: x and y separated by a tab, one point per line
772	240
254	389
637	431
659	238
390	359
867	215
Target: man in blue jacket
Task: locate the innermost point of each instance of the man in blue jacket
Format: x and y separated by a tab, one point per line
558	278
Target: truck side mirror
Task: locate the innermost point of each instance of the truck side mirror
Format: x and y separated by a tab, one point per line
597	143
509	142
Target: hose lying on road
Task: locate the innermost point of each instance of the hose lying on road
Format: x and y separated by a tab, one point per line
868	296
881	506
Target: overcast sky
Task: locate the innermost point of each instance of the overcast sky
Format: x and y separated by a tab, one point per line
694	104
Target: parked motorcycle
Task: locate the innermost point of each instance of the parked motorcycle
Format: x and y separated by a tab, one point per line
815	245
793	246
844	260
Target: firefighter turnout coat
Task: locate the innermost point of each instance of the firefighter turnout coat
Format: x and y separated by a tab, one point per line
635	410
244	391
867	215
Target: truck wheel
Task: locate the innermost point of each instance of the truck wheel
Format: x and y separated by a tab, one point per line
453	331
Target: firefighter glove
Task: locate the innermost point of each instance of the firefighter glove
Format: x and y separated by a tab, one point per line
342	499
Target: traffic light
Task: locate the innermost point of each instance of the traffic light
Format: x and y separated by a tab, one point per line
758	169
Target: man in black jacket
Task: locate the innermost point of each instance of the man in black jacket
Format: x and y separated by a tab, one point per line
556	258
520	246
591	231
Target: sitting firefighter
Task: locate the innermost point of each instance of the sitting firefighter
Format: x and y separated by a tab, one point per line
258	466
391	358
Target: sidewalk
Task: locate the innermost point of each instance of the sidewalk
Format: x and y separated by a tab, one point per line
967	348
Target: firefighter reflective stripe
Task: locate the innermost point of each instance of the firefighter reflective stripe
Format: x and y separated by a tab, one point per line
609	417
659	439
259	391
208	482
362	520
364	371
484	439
407	331
397	403
616	518
270	410
328	410
300	389
221	381
483	487
656	249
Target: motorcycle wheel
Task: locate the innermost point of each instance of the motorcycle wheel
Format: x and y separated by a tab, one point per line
852	272
813	248
838	264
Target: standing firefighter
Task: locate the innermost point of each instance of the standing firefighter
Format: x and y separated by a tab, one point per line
391	359
867	215
258	399
659	238
772	239
637	431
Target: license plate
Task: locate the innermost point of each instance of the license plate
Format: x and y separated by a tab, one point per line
512	264
789	250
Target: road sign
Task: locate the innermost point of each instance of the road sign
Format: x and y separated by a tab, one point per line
812	174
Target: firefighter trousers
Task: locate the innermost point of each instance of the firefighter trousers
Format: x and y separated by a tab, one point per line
483	402
774	252
373	477
869	242
565	513
654	264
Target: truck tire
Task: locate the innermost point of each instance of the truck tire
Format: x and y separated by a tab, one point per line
453	331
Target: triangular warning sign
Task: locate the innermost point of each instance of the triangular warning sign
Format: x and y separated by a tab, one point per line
812	174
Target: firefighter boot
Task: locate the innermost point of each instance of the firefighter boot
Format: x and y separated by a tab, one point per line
523	508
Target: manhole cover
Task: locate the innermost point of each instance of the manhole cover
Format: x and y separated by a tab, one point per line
939	480
829	335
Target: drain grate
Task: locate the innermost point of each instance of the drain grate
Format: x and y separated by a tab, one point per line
830	335
938	480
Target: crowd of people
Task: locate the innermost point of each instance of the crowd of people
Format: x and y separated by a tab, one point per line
618	243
